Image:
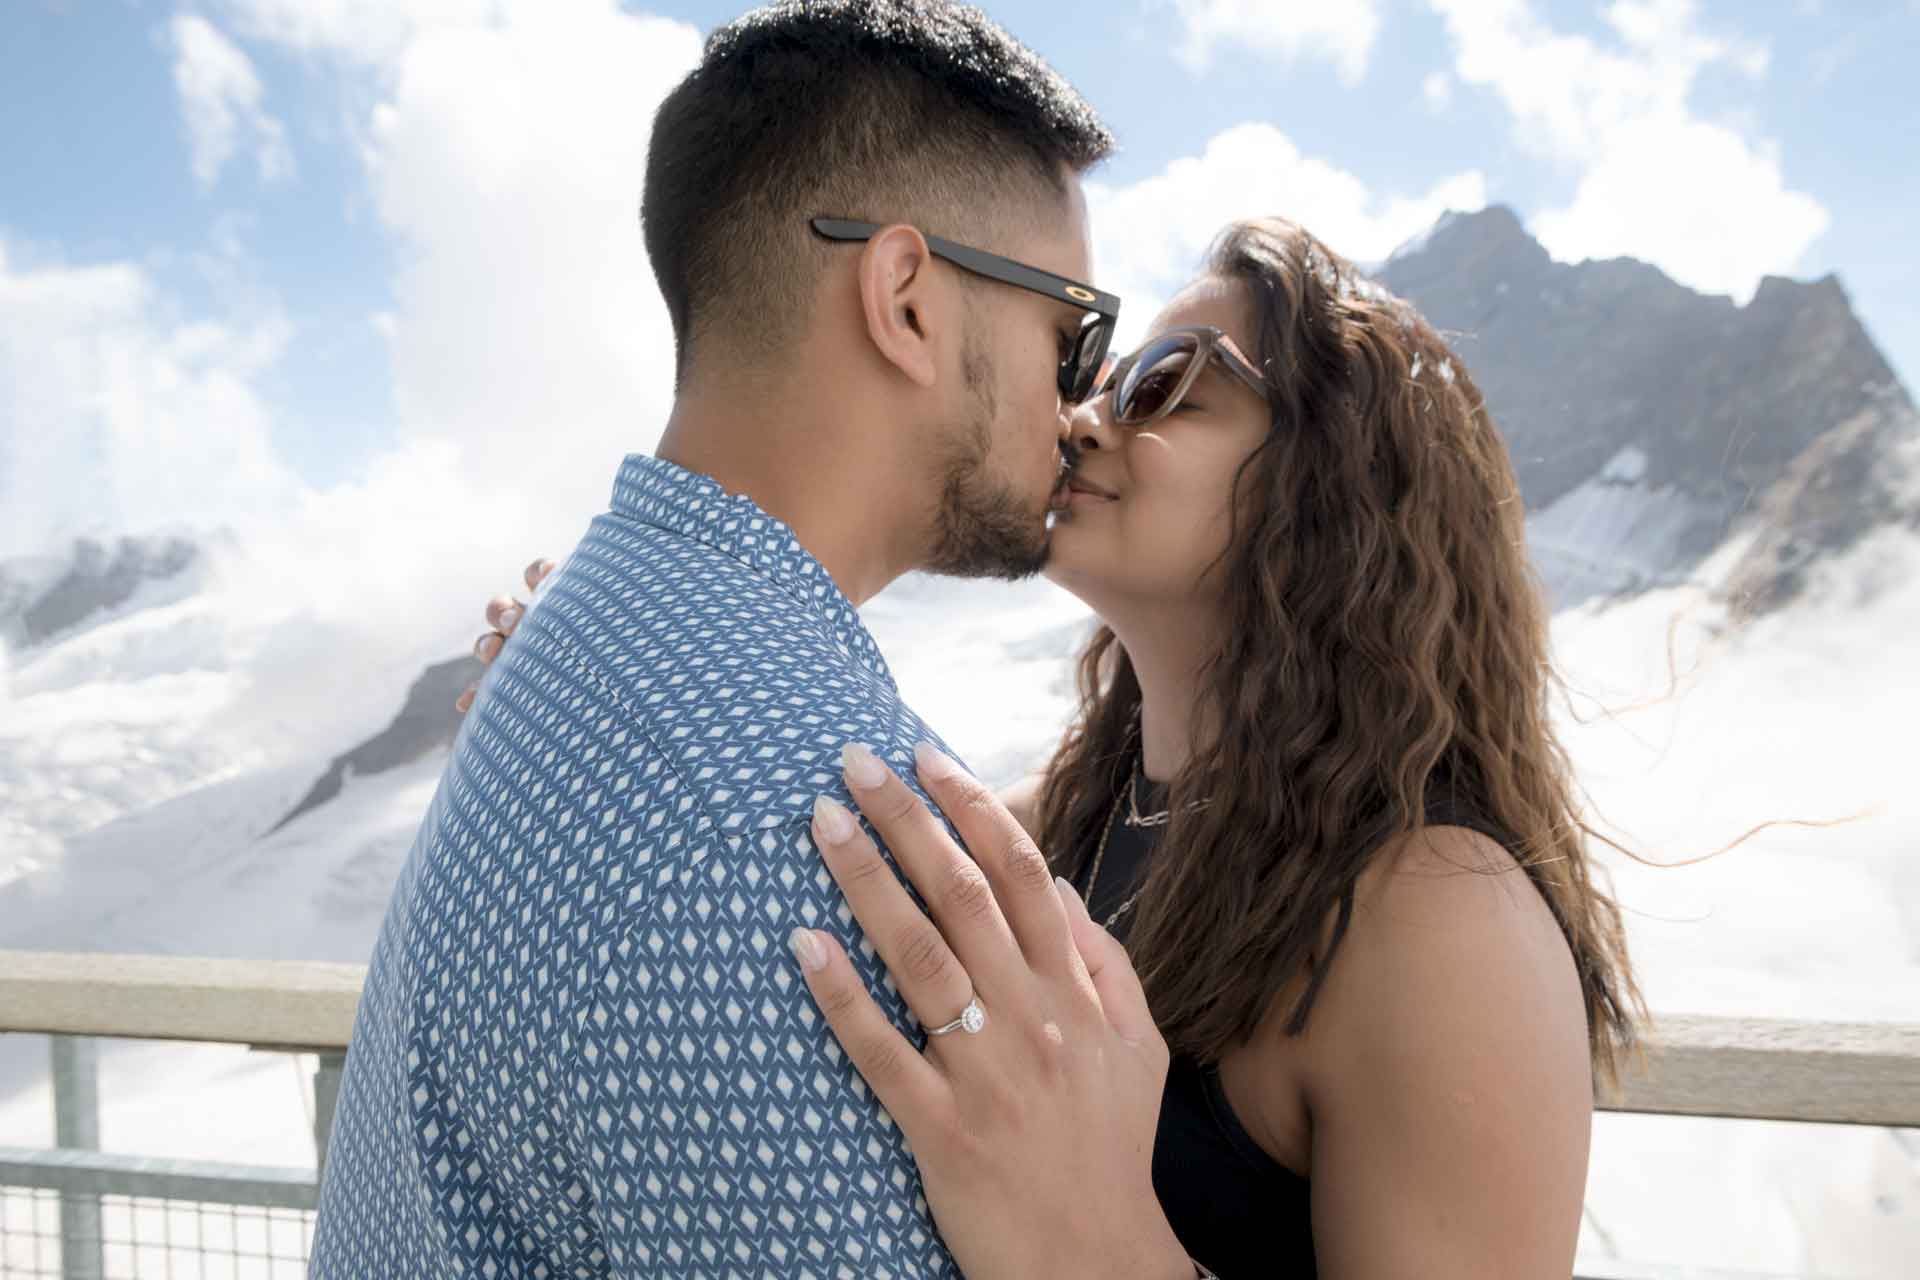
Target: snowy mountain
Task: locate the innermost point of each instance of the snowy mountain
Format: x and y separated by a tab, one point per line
195	758
427	723
1650	425
88	581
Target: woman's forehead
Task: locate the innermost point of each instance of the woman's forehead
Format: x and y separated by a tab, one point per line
1209	300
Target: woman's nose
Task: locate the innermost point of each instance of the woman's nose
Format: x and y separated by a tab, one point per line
1090	426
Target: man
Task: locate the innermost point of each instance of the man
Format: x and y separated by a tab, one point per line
583	1048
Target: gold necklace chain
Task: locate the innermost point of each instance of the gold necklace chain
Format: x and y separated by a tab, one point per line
1134	818
1099	856
1137	819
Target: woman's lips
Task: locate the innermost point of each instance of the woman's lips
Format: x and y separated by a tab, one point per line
1079	490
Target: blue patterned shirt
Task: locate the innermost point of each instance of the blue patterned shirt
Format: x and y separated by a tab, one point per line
584	1048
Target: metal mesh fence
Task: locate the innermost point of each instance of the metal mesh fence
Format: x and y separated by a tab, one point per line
123	1237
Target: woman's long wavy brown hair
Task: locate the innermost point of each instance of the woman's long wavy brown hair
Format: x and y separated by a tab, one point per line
1384	639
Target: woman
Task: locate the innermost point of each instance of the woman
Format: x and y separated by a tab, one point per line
1313	785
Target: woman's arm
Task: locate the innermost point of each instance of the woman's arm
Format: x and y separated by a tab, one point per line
1447	1074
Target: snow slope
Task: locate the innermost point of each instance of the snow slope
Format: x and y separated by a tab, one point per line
1800	715
156	724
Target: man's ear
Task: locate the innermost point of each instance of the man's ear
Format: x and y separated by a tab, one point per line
901	300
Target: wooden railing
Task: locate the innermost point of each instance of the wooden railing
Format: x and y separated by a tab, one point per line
1732	1068
1778	1069
271	1004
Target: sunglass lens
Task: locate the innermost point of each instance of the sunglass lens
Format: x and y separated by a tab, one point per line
1082	369
1155	376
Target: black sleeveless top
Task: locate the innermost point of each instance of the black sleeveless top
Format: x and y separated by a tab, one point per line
1233	1206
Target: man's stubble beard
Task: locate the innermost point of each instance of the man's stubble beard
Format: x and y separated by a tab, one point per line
984	529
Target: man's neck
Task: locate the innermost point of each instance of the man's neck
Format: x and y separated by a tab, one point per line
806	468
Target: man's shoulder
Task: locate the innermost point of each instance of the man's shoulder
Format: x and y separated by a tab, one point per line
737	682
635	598
636	568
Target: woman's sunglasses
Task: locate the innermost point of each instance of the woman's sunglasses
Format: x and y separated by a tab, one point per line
1080	366
1150	384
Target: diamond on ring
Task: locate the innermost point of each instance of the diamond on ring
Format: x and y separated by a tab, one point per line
971	1020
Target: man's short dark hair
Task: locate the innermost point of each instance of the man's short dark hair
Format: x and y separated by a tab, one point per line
883	110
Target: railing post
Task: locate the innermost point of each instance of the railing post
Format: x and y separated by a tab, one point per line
76	1124
326	1092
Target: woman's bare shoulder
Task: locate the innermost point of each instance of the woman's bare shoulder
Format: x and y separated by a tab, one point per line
1022	799
1450	938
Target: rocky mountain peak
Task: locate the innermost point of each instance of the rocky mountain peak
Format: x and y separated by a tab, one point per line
1716	404
1490	243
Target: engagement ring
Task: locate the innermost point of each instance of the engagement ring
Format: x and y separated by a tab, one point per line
971	1020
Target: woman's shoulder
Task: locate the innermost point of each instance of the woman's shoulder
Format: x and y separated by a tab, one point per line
1449	942
1451	986
1452	894
1022	799
1444	874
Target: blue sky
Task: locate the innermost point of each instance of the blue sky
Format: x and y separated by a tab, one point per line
267	247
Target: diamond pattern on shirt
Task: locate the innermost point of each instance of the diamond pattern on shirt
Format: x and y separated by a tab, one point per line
583	1048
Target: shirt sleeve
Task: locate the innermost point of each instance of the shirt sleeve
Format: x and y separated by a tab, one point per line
720	1127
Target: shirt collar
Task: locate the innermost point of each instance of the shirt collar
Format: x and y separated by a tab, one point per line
660	493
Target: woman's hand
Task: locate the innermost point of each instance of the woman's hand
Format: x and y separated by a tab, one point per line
1034	1135
503	615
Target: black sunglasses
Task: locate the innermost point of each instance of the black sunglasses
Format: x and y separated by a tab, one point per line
1150	384
1080	367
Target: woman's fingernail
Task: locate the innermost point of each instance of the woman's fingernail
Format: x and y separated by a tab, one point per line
510	619
934	763
480	646
863	768
807	950
833	820
1068	894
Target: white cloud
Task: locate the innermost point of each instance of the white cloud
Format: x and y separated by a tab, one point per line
1149	236
1343	33
508	162
1694	198
528	345
364	32
1437	88
1568	93
116	416
505	144
1658	182
220	97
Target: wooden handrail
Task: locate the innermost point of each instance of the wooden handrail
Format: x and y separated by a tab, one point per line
1778	1069
284	1004
1732	1068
